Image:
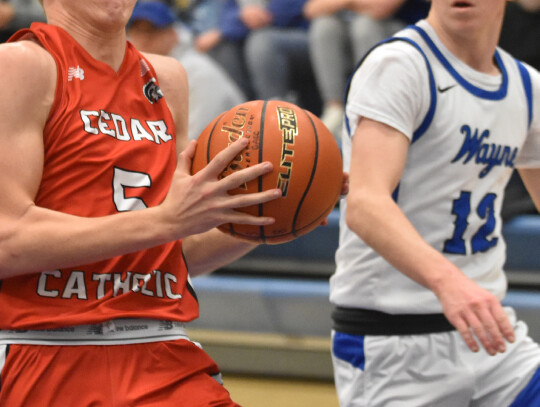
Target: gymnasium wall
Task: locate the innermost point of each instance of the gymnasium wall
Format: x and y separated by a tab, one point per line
269	313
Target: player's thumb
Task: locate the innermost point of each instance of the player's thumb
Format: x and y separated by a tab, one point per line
185	158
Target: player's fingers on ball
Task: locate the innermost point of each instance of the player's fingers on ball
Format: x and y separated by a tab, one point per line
239	178
246	219
243	200
465	332
185	157
225	156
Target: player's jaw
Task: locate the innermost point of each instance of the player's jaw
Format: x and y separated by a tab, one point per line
112	13
467	17
469	8
108	15
465	11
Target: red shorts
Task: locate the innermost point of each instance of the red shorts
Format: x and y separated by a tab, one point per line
170	373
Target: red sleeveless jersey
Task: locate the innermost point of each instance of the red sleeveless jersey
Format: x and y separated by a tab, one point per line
109	147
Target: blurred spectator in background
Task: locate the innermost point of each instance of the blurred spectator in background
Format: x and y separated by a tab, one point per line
17	14
154	28
520	36
341	32
221	34
277	51
263	45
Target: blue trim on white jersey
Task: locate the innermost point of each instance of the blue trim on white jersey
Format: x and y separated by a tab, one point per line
479	92
433	92
530	395
349	348
526	78
419	132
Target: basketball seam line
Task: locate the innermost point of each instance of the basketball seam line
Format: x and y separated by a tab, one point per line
312	175
261	141
210	139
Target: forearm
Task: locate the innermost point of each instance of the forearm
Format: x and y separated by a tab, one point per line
470	308
212	250
383	226
43	240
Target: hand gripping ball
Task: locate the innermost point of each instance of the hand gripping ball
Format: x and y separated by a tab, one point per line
307	166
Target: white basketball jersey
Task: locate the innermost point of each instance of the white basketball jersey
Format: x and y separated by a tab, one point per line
467	130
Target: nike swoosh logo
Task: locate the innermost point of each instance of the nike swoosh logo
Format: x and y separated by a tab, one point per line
442	90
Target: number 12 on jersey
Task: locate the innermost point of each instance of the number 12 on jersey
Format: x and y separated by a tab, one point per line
480	241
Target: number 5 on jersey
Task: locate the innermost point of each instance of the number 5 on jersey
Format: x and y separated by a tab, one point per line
123	179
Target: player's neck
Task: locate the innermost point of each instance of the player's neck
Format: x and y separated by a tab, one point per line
475	49
105	46
108	51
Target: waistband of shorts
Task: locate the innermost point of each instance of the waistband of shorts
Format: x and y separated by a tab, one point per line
357	321
113	332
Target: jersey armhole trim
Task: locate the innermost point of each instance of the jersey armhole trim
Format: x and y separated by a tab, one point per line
432	89
189	287
29	34
476	91
527	85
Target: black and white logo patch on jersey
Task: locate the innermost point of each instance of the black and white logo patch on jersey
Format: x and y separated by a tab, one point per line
152	91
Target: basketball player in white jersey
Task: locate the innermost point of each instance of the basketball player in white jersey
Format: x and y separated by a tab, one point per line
437	118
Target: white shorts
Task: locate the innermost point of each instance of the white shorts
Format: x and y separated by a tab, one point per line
433	370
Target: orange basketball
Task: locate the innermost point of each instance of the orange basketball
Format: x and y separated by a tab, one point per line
306	158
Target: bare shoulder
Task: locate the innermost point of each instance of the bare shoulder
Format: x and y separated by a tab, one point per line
25	52
27	70
171	74
28	75
165	64
173	81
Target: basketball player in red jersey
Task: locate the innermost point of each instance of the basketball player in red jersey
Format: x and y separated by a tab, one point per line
100	221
